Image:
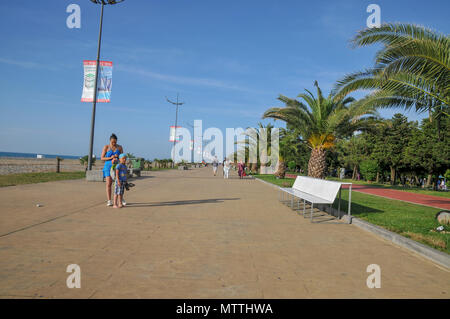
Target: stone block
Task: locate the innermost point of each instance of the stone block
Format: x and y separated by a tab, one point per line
94	176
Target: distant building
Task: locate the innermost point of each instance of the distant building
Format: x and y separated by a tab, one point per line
40	156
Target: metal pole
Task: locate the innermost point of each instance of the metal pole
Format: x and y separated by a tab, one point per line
350	201
176	123
177	104
94	104
339	206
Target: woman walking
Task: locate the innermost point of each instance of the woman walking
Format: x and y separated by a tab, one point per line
241	168
110	155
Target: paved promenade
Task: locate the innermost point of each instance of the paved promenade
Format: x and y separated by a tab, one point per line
188	234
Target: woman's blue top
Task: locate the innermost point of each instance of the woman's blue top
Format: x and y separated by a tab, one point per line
108	164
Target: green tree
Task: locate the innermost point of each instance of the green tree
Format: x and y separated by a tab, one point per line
392	142
352	152
369	169
429	152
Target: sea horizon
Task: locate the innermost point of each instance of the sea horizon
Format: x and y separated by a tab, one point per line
34	155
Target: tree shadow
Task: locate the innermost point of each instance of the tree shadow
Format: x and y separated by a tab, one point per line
356	209
182	202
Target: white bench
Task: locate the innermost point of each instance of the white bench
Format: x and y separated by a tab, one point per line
316	191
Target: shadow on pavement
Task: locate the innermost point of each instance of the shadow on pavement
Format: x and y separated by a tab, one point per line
181	202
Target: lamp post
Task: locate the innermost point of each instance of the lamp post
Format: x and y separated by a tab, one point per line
177	104
94	103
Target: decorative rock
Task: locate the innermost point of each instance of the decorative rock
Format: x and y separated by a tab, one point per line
443	217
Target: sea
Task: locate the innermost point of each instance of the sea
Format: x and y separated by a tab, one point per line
34	155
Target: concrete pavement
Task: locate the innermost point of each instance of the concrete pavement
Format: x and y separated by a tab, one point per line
188	234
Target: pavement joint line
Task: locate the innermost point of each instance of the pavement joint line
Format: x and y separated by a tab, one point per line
437	257
47	221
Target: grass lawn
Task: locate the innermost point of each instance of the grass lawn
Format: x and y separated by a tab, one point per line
32	178
409	220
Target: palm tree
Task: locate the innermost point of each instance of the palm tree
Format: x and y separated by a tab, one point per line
147	165
252	144
84	160
320	122
412	69
287	145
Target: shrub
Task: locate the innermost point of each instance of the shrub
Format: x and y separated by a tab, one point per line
447	176
292	165
369	169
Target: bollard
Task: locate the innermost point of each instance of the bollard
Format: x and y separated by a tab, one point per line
58	164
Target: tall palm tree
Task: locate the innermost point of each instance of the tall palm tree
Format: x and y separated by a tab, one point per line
320	122
412	69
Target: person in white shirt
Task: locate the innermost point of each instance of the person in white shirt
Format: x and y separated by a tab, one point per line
226	168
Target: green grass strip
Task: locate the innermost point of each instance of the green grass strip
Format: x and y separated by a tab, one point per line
32	178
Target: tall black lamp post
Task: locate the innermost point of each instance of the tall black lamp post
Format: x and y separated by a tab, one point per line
177	104
94	104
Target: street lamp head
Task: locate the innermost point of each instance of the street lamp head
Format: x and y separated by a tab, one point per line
106	1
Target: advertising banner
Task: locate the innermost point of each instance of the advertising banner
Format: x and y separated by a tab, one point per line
104	81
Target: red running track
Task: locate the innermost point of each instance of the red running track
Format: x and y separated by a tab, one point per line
421	199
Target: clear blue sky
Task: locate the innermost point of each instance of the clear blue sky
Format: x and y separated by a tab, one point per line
229	60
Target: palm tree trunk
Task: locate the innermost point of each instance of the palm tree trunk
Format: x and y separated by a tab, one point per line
317	163
281	171
428	181
392	175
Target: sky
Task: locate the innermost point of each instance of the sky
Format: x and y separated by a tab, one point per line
228	60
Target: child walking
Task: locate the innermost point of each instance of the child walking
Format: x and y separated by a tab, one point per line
121	179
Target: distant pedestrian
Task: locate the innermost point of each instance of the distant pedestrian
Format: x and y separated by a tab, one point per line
226	168
215	165
241	169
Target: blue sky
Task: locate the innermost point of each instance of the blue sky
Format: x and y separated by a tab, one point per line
229	60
